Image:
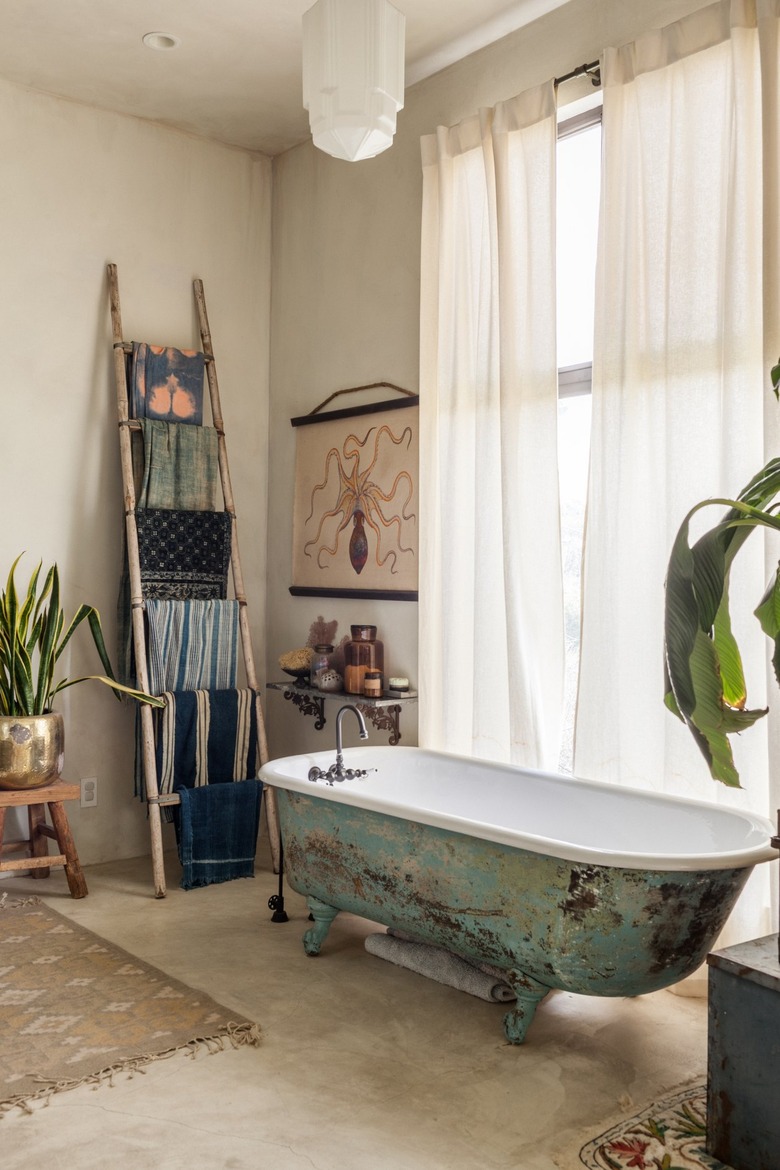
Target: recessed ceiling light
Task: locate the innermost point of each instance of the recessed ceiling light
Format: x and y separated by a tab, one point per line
161	40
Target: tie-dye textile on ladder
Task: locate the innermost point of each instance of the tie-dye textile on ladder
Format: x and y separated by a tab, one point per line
166	383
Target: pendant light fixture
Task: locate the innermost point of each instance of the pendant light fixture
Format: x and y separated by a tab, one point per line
353	75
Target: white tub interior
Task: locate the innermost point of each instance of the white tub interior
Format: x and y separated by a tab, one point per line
577	820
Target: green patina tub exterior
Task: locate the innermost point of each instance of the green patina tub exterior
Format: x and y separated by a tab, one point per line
548	922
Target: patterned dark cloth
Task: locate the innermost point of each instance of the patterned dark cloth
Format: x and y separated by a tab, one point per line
183	554
166	383
216	832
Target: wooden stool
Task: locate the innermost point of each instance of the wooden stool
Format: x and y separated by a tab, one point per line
38	859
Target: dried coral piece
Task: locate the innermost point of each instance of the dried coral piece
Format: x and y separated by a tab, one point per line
322	633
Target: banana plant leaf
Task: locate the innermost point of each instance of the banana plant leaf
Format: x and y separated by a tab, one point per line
705	683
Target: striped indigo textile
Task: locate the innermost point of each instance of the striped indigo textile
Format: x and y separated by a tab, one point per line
180	467
166	383
206	737
216	832
192	645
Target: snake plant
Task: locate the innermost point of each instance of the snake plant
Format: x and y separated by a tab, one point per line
705	683
33	636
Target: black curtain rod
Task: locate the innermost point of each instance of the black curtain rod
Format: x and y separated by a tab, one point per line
593	71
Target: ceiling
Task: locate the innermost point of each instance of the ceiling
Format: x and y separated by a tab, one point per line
236	75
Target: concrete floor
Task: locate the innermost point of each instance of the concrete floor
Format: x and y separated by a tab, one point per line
363	1065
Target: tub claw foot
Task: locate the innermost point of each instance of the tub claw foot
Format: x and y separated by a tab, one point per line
530	994
315	936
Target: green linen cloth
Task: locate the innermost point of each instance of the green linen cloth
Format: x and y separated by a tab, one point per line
180	467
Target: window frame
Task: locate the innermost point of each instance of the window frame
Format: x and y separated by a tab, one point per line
578	379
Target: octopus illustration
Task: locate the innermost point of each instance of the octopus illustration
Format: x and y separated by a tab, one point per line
361	501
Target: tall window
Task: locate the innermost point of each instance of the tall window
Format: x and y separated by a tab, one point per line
578	188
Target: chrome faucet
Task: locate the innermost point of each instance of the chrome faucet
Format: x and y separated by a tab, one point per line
337	771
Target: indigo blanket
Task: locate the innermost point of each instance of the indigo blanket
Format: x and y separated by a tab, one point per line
166	383
206	737
216	832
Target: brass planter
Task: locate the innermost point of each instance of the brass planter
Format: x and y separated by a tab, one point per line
31	750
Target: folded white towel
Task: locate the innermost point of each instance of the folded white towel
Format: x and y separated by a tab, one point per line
439	964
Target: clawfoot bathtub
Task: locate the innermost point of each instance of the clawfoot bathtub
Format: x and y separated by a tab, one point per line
561	883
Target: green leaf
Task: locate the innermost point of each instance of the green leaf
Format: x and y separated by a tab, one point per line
93	617
22	689
768	609
709	575
26	611
681	622
10	611
732	675
712	719
671	703
764	486
116	687
768	614
47	644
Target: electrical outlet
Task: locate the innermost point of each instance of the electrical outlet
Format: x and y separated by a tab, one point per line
89	792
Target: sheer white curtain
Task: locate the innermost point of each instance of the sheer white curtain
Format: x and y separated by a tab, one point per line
680	386
491	624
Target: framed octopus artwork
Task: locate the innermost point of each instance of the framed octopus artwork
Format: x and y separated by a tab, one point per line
356	510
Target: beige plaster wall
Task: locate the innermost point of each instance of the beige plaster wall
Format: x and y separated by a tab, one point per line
81	188
345	306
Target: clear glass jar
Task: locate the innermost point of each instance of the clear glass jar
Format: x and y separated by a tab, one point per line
363	653
320	660
372	684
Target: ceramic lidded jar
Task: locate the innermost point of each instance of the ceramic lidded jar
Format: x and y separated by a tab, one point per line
363	653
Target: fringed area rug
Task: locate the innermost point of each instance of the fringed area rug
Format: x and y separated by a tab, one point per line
669	1135
75	1009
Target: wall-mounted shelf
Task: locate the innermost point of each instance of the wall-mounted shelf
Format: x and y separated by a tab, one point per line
384	713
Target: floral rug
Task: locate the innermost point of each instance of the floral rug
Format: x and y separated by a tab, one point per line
668	1135
75	1009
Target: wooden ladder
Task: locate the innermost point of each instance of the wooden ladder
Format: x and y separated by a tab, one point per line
126	426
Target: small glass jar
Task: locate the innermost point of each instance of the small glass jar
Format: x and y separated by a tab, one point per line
372	684
363	653
320	660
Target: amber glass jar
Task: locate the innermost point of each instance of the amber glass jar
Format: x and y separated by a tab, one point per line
372	684
363	653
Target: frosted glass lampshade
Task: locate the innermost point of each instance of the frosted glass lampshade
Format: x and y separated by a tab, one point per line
353	75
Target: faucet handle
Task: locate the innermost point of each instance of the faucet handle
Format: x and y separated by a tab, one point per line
337	772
